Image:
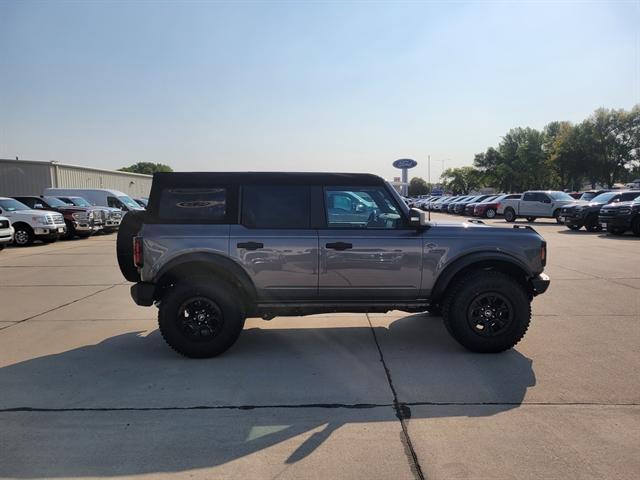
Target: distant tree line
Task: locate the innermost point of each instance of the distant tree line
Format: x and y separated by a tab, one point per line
603	149
147	168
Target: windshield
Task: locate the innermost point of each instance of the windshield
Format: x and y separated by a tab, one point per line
604	197
128	201
588	195
11	205
54	202
80	202
560	196
490	199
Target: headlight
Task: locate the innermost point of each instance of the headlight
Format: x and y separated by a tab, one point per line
43	220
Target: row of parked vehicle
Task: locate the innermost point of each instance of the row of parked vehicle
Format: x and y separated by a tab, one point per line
62	213
615	211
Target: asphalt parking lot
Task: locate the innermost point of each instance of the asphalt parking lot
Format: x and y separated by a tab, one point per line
88	389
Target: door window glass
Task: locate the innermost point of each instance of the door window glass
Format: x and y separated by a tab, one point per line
366	207
274	206
193	204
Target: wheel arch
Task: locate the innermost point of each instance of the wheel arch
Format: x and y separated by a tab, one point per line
208	264
498	261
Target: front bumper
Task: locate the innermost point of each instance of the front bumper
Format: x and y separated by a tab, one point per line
142	293
619	221
540	284
6	236
570	220
53	231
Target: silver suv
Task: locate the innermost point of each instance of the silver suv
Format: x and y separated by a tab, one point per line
214	248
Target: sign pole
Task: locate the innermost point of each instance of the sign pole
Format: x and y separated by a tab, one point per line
429	180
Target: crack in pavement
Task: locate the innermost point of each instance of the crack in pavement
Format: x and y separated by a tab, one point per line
403	412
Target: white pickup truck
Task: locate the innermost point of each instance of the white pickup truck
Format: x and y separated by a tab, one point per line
535	204
32	224
6	232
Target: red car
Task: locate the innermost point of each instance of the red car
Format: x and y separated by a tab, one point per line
489	209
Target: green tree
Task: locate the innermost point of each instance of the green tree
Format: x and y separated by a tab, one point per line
462	180
148	168
418	186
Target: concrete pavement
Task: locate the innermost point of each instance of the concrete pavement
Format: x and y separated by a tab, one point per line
88	389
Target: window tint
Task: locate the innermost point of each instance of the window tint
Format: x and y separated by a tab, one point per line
366	207
529	197
627	197
189	204
29	202
113	202
266	206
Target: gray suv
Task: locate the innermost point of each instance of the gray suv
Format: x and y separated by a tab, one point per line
214	248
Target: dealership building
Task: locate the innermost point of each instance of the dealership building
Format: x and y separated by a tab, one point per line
28	177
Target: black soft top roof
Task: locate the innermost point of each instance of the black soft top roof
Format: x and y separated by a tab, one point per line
184	179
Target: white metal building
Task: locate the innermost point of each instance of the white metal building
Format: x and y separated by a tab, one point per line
27	177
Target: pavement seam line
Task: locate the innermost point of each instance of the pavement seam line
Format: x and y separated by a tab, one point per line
61	306
401	412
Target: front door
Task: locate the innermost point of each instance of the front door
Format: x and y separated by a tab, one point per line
367	250
275	242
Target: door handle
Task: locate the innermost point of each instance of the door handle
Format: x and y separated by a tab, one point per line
339	246
250	245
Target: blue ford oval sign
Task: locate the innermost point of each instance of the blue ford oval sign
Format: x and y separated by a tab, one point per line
405	163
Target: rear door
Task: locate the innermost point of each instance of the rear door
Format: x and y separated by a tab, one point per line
276	243
367	249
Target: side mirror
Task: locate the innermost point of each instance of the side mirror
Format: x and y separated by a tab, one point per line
360	208
418	218
39	206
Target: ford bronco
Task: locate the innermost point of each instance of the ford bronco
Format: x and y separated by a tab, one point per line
214	248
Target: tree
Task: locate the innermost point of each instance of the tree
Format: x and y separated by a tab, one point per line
462	180
418	186
147	168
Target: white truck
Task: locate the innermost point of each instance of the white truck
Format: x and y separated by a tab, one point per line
535	204
6	232
30	225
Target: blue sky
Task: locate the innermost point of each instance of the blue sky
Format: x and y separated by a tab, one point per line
302	86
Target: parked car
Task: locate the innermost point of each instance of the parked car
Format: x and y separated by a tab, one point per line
203	280
618	218
102	197
444	206
489	207
80	221
454	207
585	213
6	232
535	204
469	204
591	194
437	204
30	224
111	217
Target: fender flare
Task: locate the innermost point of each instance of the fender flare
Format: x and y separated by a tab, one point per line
468	260
211	261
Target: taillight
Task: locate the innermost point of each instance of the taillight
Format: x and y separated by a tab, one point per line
543	253
497	206
137	251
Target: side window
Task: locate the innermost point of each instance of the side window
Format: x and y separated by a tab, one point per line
193	204
273	206
29	202
114	202
627	197
529	197
366	207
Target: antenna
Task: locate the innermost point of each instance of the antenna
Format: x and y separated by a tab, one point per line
429	181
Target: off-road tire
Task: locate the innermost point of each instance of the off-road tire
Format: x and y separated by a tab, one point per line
458	302
129	228
510	215
224	296
23	235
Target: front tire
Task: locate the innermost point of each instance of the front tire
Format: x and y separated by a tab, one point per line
23	236
510	215
635	226
575	228
200	319
487	311
490	213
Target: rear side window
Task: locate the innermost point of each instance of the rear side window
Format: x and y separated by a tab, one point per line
267	206
193	204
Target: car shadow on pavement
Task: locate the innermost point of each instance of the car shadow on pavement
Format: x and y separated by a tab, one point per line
128	405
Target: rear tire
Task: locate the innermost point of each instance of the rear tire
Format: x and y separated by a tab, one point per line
487	311
181	325
510	215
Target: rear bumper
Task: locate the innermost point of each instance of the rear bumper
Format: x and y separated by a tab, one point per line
142	293
540	283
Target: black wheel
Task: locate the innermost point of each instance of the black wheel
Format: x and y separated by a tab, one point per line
71	231
490	213
200	319
575	228
510	215
487	312
592	225
531	219
556	215
615	230
129	228
635	226
23	235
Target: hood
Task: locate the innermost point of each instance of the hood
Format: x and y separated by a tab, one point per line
621	204
33	213
73	209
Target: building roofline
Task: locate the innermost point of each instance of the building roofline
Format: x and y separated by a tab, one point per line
82	167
